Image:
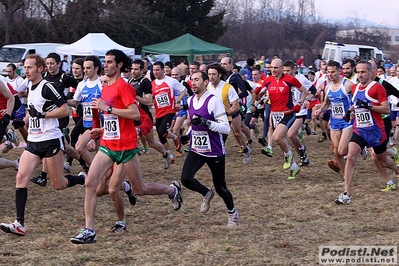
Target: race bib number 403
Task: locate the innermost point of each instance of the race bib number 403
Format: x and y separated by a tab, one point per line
111	127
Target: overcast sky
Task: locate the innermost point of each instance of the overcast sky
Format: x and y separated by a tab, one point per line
384	12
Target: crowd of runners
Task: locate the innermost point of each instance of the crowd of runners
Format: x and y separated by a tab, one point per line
118	107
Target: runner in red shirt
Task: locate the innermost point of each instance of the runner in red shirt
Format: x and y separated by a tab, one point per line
279	87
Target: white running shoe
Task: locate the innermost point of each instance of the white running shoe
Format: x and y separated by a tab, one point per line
343	199
14	228
206	201
234	219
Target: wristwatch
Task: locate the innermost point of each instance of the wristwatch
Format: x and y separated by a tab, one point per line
300	103
208	122
109	110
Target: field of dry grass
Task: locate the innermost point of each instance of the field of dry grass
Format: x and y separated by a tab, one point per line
282	221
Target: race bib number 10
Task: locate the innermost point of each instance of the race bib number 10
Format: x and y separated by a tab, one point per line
276	118
35	125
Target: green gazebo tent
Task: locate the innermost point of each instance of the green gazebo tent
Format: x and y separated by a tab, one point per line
186	45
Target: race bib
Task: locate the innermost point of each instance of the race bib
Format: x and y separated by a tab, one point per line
87	112
363	118
338	110
35	126
111	127
162	100
200	141
276	118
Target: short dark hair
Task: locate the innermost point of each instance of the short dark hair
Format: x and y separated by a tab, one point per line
54	56
217	67
369	66
14	67
289	63
195	63
96	62
159	63
121	57
350	61
333	63
139	62
78	61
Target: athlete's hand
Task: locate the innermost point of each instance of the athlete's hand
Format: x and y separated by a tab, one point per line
96	133
184	139
363	104
35	113
5	120
296	108
198	120
347	116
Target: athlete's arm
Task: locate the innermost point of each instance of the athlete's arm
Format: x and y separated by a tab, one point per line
234	108
10	99
221	124
383	108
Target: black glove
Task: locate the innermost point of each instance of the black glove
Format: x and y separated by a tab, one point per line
363	104
347	116
397	105
198	120
184	139
35	113
185	106
5	120
18	123
70	95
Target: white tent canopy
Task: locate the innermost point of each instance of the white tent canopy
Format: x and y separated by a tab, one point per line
93	44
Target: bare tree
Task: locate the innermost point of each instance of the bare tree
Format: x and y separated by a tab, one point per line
10	7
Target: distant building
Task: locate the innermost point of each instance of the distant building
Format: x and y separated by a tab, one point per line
392	34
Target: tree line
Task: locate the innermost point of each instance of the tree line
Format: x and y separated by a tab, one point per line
289	28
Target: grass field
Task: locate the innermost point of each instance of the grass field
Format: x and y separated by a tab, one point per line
282	222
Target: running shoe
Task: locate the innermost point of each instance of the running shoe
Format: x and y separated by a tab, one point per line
206	201
17	164
146	150
262	141
177	143
39	180
241	150
343	199
307	129
288	161
131	195
303	152
294	173
7	147
67	167
314	133
364	153
14	228
334	165
247	157
187	149
233	219
166	160
304	161
250	146
267	151
321	139
85	236
178	154
177	198
389	188
395	156
12	136
118	227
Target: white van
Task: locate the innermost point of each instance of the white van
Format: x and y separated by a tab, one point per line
14	53
339	51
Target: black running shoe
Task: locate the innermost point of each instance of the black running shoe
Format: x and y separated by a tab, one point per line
86	236
262	141
131	195
118	227
39	180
